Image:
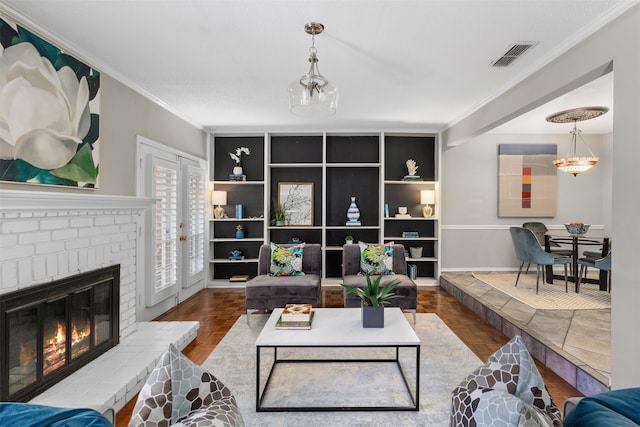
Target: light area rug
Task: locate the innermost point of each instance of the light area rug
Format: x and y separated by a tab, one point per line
550	296
444	362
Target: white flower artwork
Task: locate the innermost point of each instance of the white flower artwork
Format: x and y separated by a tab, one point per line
48	123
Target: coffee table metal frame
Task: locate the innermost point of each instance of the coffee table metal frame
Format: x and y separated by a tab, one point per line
325	333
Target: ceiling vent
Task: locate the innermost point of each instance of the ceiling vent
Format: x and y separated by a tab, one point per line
514	52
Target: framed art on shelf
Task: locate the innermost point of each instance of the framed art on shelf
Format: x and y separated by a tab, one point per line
297	200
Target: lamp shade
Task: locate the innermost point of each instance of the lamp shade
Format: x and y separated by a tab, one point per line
427	197
219	197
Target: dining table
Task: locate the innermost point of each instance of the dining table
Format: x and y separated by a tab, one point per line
576	241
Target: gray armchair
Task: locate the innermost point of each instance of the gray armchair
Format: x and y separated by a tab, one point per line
602	263
539	230
407	291
266	292
528	250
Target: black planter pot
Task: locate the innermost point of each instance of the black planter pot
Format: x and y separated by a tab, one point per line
372	317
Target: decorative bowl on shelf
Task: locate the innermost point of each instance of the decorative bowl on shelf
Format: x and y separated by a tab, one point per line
577	228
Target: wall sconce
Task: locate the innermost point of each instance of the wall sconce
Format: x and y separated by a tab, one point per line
219	198
427	198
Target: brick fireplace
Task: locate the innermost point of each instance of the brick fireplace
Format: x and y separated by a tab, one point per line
50	236
50	331
46	237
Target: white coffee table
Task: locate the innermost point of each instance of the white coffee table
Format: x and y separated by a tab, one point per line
339	327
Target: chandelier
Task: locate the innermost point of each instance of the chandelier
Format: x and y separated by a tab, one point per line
574	163
312	95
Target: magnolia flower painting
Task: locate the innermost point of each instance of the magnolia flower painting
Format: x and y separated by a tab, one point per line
49	112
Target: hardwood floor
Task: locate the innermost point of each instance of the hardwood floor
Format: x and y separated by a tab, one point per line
218	309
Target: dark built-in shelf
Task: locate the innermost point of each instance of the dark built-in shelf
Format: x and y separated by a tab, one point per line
340	166
400	148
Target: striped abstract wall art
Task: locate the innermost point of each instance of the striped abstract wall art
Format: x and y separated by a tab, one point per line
527	180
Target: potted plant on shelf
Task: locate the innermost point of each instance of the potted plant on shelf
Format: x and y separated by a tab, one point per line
279	214
349	239
373	299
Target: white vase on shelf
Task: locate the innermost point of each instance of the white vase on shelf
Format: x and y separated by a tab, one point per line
237	170
353	213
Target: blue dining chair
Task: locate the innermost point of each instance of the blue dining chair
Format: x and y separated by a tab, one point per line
528	250
602	263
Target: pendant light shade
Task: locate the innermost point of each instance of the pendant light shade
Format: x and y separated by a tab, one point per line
312	95
575	162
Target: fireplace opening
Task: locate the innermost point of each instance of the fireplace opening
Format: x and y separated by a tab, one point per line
51	330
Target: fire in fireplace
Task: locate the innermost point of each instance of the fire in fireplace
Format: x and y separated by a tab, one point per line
51	330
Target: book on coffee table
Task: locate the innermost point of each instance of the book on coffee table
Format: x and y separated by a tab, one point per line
296	313
281	324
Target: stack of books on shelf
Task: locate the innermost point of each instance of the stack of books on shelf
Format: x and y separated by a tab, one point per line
237	177
295	316
412	271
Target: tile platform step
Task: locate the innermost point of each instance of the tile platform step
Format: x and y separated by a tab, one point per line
581	376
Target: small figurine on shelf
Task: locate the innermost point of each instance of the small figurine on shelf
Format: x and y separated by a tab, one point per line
412	168
236	254
238	173
239	231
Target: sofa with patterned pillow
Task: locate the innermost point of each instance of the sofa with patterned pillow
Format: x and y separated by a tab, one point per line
389	261
287	274
506	391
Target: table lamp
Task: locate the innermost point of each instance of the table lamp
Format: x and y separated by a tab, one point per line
427	198
219	198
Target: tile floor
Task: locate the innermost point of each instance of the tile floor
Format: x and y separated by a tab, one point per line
573	343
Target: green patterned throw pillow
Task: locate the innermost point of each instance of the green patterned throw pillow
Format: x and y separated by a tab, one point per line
376	259
286	261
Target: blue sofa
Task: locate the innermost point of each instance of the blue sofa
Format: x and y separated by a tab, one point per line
30	415
618	408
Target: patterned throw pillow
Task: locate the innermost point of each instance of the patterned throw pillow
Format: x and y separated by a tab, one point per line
508	390
376	259
179	391
286	261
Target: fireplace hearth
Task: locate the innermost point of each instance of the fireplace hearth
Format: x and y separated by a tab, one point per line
51	330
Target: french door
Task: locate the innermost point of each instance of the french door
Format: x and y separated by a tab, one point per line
177	243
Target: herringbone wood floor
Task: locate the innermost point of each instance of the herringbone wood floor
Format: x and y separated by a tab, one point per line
218	309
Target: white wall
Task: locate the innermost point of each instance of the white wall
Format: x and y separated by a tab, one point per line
474	237
617	47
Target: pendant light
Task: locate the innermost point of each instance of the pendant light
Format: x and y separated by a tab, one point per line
573	162
312	95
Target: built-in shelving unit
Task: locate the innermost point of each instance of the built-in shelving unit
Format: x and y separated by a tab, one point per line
250	194
368	166
400	192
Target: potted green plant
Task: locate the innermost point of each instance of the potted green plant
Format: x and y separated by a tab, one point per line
374	298
279	214
349	239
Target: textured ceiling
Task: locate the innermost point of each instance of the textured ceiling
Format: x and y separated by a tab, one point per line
225	65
